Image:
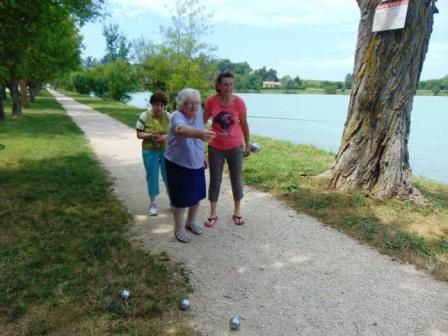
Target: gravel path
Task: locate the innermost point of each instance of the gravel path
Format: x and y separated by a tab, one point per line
283	272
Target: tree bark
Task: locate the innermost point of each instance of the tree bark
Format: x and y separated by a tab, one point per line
373	156
15	98
35	88
3	91
24	94
2	98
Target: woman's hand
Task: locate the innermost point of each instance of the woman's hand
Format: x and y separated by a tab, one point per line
207	135
159	138
247	150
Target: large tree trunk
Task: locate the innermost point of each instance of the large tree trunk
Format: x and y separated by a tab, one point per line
3	91
2	98
23	94
373	156
15	98
35	88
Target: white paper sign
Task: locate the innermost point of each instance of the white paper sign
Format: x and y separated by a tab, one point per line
390	15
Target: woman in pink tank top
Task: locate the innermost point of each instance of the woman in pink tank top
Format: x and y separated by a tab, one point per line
229	122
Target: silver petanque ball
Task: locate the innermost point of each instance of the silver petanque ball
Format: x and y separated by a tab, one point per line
254	147
234	323
185	304
125	294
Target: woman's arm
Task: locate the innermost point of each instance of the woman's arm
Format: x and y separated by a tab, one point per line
145	135
246	132
196	133
151	136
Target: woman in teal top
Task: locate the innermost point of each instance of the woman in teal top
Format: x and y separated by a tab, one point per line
152	127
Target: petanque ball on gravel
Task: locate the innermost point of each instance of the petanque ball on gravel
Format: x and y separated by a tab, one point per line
125	294
185	304
254	147
234	323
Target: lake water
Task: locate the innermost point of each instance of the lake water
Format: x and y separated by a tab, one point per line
319	120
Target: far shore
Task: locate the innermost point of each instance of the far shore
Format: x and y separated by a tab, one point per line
322	91
338	92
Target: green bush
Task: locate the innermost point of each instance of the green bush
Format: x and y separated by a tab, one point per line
82	82
121	78
113	80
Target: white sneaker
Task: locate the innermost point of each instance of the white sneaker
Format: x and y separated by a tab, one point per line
153	211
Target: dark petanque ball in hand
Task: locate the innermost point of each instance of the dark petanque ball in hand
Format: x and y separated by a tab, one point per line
185	304
234	323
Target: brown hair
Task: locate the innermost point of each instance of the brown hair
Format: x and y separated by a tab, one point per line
158	97
224	74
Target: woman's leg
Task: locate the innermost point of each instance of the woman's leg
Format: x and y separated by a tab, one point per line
179	225
163	169
192	223
215	166
192	212
235	163
151	162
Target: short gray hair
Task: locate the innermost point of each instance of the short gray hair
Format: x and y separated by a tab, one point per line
185	94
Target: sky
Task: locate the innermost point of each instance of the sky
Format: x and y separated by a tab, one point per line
312	39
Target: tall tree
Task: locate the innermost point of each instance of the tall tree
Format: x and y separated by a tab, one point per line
190	23
2	90
2	98
182	59
267	75
117	45
373	156
348	81
23	23
285	80
225	64
54	53
141	49
90	62
298	82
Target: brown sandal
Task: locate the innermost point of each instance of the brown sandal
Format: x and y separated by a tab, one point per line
238	220
211	221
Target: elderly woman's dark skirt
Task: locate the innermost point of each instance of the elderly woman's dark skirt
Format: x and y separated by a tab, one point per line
186	186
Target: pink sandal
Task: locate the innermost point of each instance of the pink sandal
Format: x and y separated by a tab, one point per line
238	220
211	221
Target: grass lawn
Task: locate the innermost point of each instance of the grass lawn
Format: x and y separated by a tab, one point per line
401	229
65	255
125	113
